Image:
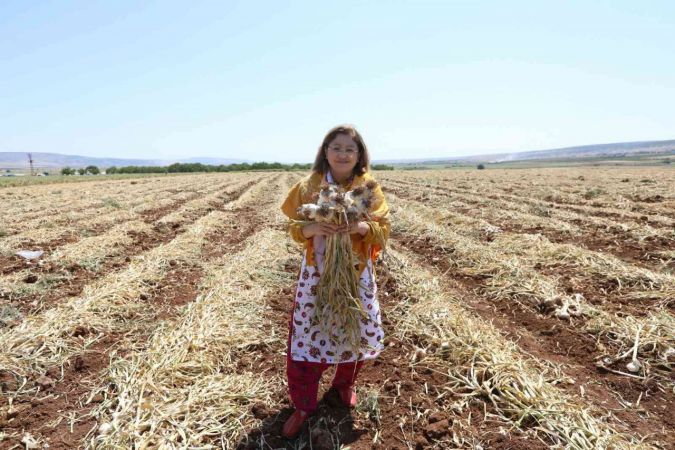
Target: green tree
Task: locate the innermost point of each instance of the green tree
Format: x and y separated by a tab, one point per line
67	171
92	170
381	167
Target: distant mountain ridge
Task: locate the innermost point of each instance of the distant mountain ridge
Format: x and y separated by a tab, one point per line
582	151
19	160
595	150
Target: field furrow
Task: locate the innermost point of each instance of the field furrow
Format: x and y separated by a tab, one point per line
507	278
95	218
570	348
31	208
479	363
67	270
591	193
647	191
580	267
177	287
189	369
634	241
489	218
522	308
99	302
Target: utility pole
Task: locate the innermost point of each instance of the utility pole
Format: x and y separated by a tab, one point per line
30	160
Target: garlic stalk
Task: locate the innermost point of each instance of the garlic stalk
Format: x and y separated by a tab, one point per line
635	365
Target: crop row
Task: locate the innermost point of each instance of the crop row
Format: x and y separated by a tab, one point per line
507	276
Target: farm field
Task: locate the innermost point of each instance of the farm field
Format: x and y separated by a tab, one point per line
528	308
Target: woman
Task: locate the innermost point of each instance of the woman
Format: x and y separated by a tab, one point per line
342	159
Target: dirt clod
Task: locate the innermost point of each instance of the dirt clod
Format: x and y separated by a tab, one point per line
437	430
79	364
45	382
436	417
30	279
80	331
260	410
421	442
321	439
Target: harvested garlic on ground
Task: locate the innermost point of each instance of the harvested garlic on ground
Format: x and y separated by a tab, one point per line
420	353
563	313
634	366
30	442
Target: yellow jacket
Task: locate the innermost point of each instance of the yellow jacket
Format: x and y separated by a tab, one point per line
364	246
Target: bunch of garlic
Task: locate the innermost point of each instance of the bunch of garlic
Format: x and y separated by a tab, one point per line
337	206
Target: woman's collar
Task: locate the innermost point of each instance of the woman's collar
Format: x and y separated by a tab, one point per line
330	180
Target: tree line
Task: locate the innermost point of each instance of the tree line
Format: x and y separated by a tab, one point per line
186	168
92	170
199	167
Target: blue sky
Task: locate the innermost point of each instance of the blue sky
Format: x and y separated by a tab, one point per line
266	80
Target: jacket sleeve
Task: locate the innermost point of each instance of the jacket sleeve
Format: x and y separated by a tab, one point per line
378	234
290	206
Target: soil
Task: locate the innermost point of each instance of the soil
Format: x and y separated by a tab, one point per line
642	253
11	263
550	339
407	395
66	394
65	388
574	207
77	277
411	411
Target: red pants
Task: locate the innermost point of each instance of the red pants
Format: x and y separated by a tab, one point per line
303	378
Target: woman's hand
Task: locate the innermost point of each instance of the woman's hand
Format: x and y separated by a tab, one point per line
329	229
361	228
321	229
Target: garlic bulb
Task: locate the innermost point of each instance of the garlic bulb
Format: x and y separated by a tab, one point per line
105	428
30	442
419	354
562	312
634	366
308	210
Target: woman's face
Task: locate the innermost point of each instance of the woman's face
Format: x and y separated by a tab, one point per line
342	154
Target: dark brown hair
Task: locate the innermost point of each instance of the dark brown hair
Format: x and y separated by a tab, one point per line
321	162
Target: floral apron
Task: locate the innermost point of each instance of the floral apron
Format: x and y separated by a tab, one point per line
309	343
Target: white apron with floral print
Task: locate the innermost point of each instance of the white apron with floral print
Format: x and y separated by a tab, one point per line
309	343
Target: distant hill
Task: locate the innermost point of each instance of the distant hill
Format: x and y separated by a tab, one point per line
19	160
586	151
618	149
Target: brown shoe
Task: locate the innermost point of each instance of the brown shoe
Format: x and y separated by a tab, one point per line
294	424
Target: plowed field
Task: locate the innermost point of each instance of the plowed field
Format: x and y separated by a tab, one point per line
527	308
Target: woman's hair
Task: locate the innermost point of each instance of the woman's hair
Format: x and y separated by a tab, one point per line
321	162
